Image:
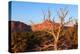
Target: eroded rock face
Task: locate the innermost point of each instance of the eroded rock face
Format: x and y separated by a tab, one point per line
46	24
19	26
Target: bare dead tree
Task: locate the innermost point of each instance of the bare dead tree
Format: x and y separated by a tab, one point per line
44	15
62	14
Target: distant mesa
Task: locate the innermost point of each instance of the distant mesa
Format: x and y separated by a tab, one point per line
19	26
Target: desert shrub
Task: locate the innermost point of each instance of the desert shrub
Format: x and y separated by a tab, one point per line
33	40
69	40
29	41
45	40
18	41
75	37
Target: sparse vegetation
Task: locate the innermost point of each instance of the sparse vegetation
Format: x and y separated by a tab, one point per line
41	40
28	41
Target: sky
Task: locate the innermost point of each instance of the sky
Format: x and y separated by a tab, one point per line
32	11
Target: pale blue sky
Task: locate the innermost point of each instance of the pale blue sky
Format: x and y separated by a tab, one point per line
25	11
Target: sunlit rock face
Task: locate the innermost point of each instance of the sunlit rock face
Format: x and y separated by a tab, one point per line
47	24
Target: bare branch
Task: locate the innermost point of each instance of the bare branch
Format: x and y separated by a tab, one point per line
58	33
58	12
47	46
76	21
31	22
44	15
49	14
61	12
70	20
53	19
66	13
